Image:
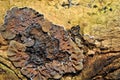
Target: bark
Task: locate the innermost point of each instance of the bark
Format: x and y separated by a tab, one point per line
101	57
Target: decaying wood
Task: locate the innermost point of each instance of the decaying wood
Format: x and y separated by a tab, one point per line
31	47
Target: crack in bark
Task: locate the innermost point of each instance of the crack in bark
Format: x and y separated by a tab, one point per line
9	67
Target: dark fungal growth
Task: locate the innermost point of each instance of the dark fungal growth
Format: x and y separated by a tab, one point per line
39	48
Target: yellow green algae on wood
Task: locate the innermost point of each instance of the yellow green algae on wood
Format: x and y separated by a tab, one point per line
6	74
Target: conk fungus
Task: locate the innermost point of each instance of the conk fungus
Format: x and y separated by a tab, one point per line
39	48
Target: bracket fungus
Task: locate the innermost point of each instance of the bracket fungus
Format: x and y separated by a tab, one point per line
40	54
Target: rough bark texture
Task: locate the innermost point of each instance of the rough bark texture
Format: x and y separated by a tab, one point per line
101	59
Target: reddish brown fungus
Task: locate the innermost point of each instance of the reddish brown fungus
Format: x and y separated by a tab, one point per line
40	54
